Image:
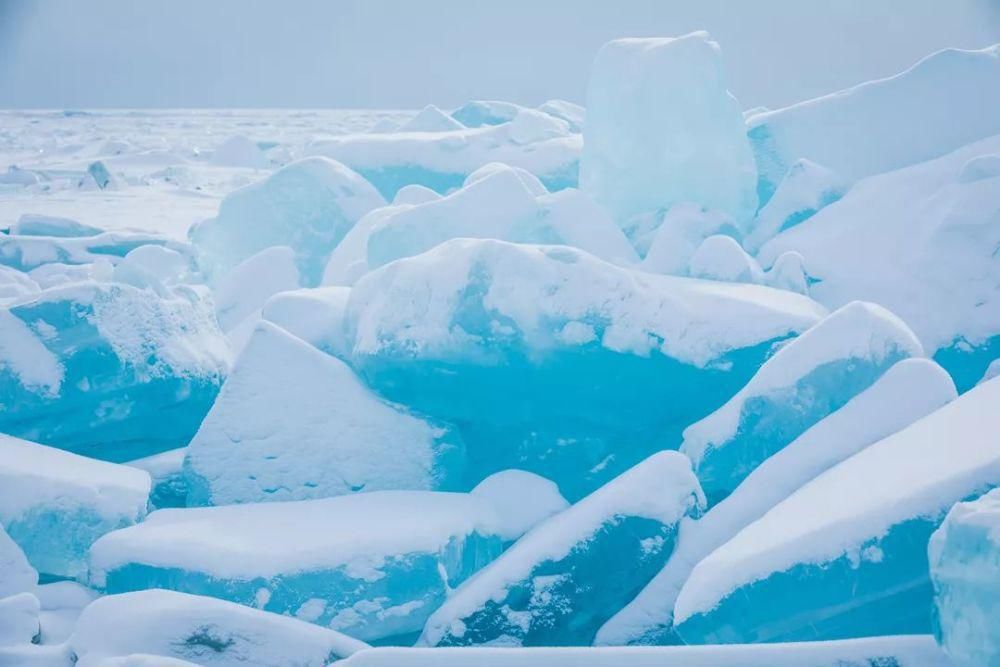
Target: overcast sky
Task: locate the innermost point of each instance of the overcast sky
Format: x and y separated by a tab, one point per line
404	54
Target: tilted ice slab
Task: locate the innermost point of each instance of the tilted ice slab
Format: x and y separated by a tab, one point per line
430	119
315	315
31	224
937	105
919	241
810	377
964	556
202	630
906	392
166	470
496	202
244	290
293	423
554	361
846	555
109	370
662	129
903	651
561	580
308	205
372	565
442	160
30	251
54	504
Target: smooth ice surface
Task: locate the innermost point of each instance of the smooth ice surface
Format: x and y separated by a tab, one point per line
964	556
663	129
308	205
166	470
845	555
906	392
293	423
32	224
372	565
939	104
16	574
920	242
442	160
810	377
903	651
54	504
109	370
246	288
554	361
202	630
561	580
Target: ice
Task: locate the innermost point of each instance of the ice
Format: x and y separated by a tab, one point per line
551	360
496	202
810	377
573	114
30	251
315	315
906	392
805	189
560	581
430	119
153	267
17	176
845	555
293	423
919	242
54	504
244	290
308	205
414	194
169	486
663	129
14	283
992	371
18	619
109	370
238	151
980	168
521	498
373	565
721	257
936	106
442	160
202	630
16	574
903	651
788	273
669	241
31	224
478	113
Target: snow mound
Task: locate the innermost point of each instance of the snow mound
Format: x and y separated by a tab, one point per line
238	151
430	119
721	257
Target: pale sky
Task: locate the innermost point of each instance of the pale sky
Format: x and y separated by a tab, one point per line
400	54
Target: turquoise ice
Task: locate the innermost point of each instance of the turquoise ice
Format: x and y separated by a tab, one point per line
964	558
551	360
560	581
109	370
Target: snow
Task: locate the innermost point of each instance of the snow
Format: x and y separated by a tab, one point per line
418	194
903	651
478	113
375	563
933	108
238	151
806	380
154	267
669	241
721	257
919	242
315	315
32	224
661	489
430	119
14	283
663	129
522	499
18	619
54	504
442	160
61	604
909	390
202	630
919	471
245	289
293	423
170	487
964	568
573	114
308	205
16	574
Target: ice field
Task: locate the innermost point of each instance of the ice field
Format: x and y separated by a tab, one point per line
654	380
